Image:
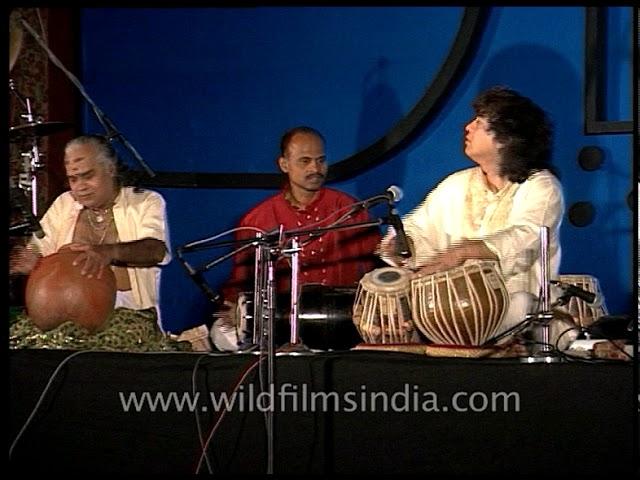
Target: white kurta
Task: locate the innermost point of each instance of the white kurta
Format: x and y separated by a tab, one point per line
508	221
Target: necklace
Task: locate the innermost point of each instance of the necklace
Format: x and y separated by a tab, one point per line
100	221
99	217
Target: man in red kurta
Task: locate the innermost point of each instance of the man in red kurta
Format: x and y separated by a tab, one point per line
335	258
339	257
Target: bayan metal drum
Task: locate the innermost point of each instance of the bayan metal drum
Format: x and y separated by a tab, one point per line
382	307
583	313
461	306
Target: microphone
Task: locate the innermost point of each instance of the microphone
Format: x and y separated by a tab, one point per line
204	286
391	194
395	194
402	245
199	280
592	299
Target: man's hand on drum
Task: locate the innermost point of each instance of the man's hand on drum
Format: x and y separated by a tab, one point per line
456	255
444	260
229	309
92	259
226	316
23	259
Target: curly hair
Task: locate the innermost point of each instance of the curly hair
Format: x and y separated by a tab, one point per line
522	127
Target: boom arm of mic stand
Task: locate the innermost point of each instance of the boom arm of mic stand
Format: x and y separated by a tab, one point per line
114	133
321	230
207	243
196	273
104	121
213	263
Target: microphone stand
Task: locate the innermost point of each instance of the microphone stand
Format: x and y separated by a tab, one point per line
266	254
543	353
268	250
264	314
107	124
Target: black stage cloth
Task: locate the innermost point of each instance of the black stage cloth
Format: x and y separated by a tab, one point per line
569	418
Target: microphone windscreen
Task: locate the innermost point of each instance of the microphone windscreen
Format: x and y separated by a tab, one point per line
396	192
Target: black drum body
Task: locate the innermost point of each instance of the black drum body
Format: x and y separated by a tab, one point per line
324	318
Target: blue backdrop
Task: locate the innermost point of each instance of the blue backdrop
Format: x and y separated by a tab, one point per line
212	90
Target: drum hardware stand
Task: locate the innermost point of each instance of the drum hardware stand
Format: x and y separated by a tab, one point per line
31	160
543	353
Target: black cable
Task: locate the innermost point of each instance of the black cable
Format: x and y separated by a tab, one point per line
515	329
564	332
43	395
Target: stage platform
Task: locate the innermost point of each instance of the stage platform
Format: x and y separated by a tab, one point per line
343	412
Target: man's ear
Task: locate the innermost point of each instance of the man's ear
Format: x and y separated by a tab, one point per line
283	164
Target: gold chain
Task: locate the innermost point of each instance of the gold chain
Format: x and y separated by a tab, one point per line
98	226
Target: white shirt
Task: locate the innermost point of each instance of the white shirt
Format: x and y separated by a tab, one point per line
508	221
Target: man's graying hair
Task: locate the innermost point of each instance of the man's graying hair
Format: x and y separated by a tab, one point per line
107	155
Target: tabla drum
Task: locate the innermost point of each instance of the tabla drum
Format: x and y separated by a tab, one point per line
382	307
583	313
461	306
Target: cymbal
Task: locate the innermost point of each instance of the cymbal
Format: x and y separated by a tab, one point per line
36	129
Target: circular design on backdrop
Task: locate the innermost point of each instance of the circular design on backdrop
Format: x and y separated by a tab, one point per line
457	60
581	214
590	158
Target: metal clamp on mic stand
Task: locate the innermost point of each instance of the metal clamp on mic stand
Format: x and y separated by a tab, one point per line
295	344
543	352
